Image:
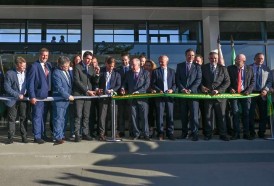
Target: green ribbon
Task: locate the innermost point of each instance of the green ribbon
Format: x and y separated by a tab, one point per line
186	96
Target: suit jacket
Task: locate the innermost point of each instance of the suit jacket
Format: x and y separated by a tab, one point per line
188	81
266	77
38	83
141	85
11	86
157	82
115	80
83	80
249	81
62	86
221	81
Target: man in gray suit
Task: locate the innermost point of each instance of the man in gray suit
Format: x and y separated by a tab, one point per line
85	78
137	81
15	86
262	84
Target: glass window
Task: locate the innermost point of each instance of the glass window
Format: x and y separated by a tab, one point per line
248	50
241	31
12	32
35	32
270	30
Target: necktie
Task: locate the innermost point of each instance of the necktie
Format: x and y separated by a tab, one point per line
108	75
125	69
68	77
239	88
135	76
258	79
188	68
46	70
212	72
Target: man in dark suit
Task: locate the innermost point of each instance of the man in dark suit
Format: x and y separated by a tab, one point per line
262	76
242	84
163	81
122	109
15	86
62	87
110	82
85	77
137	81
39	85
215	80
188	79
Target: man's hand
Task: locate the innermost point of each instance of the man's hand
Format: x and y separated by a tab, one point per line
214	92
186	91
169	91
263	93
204	89
33	101
122	91
71	98
21	96
91	93
232	91
97	70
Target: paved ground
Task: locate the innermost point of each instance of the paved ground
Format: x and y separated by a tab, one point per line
180	162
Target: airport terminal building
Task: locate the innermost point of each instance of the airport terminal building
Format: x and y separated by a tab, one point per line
152	28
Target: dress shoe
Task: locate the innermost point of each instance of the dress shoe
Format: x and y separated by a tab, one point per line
247	137
77	138
161	137
146	138
207	137
87	137
135	137
47	139
10	141
58	142
195	137
171	137
235	137
261	135
25	140
121	134
253	136
39	141
102	138
224	138
183	136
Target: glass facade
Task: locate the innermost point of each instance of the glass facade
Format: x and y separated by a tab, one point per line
150	38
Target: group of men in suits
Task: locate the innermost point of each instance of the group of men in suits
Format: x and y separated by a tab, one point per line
41	81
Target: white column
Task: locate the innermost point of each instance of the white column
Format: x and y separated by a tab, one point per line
87	33
210	33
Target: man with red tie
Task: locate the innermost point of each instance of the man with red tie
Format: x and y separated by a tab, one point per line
242	84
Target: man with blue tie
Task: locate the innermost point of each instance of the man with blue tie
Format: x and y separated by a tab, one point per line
262	84
62	87
163	81
109	83
15	86
188	79
39	85
242	84
137	81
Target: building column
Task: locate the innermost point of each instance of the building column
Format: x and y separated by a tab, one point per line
87	33
211	32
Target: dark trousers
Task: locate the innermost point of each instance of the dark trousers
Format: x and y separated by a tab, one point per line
191	107
263	118
47	110
105	111
245	105
94	117
123	111
21	109
219	108
162	105
151	112
82	112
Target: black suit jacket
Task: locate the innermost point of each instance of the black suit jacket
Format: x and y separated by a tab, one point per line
83	80
191	81
221	81
248	78
115	80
